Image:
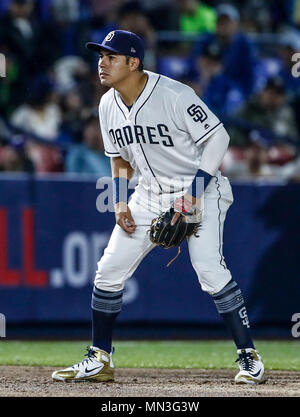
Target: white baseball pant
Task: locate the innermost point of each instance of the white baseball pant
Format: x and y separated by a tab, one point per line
125	252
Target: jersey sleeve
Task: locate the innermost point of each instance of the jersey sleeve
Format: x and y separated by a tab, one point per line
195	117
109	147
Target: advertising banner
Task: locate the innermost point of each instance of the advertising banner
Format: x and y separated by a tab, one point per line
52	236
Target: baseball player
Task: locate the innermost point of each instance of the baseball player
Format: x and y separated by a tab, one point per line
160	129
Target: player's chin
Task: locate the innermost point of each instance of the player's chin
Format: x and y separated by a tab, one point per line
104	81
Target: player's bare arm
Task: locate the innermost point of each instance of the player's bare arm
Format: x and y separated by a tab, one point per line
123	170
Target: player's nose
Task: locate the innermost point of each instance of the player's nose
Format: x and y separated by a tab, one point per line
103	61
100	63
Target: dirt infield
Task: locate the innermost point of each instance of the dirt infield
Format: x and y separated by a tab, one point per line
26	381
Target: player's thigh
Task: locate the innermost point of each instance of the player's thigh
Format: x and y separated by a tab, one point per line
206	250
124	252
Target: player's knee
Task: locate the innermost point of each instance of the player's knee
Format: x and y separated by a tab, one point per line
212	280
108	282
107	285
108	276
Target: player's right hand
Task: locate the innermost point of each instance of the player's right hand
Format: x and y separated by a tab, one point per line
124	218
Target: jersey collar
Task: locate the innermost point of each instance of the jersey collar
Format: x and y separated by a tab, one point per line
144	95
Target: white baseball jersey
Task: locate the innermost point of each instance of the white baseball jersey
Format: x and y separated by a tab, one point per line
161	136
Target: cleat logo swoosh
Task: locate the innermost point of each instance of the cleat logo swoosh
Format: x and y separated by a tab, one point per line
255	375
93	369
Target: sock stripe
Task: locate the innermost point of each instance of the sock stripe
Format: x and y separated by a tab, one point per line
108	294
227	289
106	302
228	296
100	297
106	308
230	306
229	299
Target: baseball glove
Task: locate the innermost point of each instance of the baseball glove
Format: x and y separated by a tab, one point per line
167	236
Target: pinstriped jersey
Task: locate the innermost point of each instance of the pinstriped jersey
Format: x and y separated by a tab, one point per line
162	135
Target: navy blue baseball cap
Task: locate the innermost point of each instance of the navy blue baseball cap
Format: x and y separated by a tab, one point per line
121	42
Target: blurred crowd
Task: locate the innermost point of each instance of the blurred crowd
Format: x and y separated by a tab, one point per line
239	56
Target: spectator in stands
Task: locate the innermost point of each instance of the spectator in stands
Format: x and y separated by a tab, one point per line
14	156
88	157
69	71
19	32
256	16
163	14
196	17
60	33
65	15
66	10
238	55
102	8
267	115
219	92
73	114
40	116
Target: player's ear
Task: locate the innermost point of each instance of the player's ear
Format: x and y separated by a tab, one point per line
134	63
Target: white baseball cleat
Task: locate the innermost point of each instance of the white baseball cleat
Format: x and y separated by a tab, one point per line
252	369
98	366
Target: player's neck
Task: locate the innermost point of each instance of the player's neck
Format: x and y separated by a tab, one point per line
132	87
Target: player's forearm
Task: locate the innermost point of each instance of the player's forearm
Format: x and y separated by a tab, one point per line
121	168
121	174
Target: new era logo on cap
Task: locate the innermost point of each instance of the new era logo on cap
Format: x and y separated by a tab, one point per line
121	42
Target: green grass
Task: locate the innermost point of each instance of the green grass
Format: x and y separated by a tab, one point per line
281	355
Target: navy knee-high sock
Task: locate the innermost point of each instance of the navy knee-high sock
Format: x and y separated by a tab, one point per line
106	306
231	306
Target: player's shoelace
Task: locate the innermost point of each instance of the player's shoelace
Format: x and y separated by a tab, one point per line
90	354
246	361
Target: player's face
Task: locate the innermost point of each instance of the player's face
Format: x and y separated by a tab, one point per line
112	68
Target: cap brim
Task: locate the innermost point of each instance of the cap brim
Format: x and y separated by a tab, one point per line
96	47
